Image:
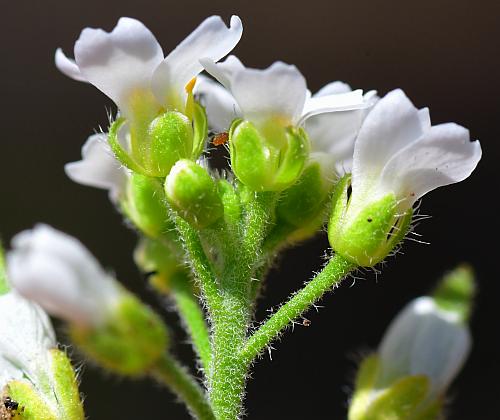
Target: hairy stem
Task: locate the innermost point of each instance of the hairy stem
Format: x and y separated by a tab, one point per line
171	373
228	374
200	264
193	317
336	269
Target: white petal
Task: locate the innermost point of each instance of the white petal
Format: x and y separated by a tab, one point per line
333	102
391	125
26	335
225	71
334	134
211	39
444	155
219	104
68	66
120	62
333	88
424	340
98	167
276	92
59	273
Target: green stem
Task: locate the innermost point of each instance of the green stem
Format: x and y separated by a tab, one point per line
175	376
200	264
231	322
193	317
336	269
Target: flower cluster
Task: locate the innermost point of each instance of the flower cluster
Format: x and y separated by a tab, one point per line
297	161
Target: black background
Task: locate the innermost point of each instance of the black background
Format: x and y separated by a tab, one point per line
443	53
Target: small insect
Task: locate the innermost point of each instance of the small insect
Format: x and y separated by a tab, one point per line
220	139
306	322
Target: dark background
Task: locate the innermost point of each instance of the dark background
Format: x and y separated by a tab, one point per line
443	53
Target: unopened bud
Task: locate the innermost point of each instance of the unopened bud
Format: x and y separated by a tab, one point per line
269	158
192	192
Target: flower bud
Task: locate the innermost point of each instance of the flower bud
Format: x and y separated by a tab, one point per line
146	206
37	380
365	232
192	192
305	201
130	341
422	351
169	137
269	158
109	323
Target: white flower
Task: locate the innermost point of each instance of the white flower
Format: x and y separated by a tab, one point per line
59	273
278	94
424	340
333	134
128	64
398	152
26	336
99	168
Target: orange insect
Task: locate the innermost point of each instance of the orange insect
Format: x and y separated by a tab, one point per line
220	139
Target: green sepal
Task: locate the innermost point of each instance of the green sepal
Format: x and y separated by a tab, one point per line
66	386
4	285
364	386
301	204
31	406
365	235
120	153
200	129
292	158
193	194
130	342
146	206
456	290
171	139
267	159
403	400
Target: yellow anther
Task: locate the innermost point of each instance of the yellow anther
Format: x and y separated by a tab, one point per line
190	85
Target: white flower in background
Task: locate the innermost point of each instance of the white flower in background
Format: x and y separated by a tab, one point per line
398	152
59	273
333	134
26	336
424	340
277	94
128	64
99	168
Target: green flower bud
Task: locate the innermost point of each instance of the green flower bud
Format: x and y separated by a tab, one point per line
269	158
367	232
230	200
131	340
305	200
455	292
146	206
169	137
192	192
